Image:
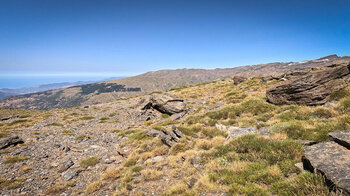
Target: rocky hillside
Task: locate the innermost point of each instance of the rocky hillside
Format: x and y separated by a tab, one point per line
152	81
225	137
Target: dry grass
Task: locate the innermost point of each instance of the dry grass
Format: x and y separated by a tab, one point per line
15	159
95	186
89	162
151	174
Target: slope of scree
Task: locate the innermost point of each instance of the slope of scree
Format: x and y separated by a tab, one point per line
228	141
109	91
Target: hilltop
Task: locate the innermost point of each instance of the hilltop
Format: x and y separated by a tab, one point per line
223	137
104	92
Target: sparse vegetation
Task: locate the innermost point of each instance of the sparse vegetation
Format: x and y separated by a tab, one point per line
81	137
67	132
15	159
202	162
89	162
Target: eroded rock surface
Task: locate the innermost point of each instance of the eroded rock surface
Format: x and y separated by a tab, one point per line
168	137
310	89
333	161
166	104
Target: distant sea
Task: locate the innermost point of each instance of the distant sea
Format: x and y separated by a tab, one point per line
26	81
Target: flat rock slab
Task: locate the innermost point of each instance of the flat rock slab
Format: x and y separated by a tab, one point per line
341	137
333	161
235	132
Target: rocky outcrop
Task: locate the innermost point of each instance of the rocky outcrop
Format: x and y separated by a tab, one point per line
332	160
166	104
168	137
313	88
238	79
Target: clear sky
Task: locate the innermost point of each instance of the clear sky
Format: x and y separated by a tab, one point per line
129	37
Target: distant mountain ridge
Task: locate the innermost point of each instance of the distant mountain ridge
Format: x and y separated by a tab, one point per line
162	80
4	92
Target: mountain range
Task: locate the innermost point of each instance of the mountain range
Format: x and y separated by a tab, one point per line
163	80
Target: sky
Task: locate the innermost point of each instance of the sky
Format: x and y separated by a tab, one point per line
128	37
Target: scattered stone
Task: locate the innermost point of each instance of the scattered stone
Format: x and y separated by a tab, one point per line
333	161
166	104
65	148
69	174
109	161
341	137
306	142
313	88
177	132
10	141
66	165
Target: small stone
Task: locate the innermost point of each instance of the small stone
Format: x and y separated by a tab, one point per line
109	161
66	165
65	148
300	166
69	174
155	159
94	146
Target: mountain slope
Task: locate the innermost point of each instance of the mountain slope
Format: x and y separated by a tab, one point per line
152	81
111	149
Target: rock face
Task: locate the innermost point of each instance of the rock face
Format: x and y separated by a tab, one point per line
332	160
166	104
310	89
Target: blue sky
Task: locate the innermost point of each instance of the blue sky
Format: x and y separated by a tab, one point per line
39	37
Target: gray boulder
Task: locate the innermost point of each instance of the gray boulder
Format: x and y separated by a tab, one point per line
166	104
313	88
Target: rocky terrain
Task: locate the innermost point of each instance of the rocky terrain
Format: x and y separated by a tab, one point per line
153	81
234	136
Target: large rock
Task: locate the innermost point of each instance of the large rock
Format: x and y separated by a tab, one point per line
333	161
168	137
310	89
166	104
